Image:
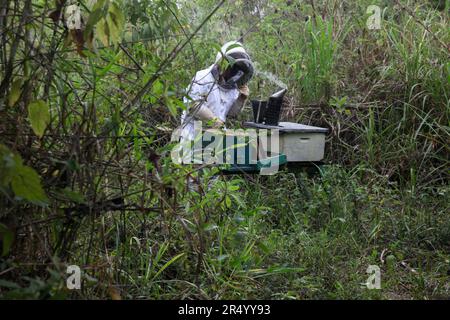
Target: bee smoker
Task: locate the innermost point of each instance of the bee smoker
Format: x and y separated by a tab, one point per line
268	112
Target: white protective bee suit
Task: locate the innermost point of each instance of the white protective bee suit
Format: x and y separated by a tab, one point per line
211	98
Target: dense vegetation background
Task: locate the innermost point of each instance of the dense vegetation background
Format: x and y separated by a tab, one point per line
86	112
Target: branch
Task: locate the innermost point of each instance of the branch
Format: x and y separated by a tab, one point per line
168	60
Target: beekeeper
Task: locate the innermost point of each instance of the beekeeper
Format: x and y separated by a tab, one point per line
218	91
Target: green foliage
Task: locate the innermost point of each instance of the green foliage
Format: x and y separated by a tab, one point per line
73	196
26	184
14	95
39	115
24	181
319	59
7	237
109	21
51	288
144	227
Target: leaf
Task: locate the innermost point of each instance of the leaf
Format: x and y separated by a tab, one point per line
72	17
167	265
95	16
114	293
7	239
158	88
109	21
98	12
117	15
8	163
209	227
228	201
73	196
14	95
114	32
103	32
77	37
9	284
26	183
172	107
116	22
39	116
55	15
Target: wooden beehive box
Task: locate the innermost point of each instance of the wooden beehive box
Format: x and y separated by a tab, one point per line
299	142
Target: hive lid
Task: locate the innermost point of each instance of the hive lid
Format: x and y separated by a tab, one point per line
287	127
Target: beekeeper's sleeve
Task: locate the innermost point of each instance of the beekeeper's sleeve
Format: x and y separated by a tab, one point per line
198	107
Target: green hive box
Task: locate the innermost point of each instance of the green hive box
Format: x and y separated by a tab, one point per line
237	151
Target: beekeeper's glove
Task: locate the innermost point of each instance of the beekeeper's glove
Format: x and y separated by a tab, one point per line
240	102
244	92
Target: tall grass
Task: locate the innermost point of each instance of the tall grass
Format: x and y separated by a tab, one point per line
318	60
381	200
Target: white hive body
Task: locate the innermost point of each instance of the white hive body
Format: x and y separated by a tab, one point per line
299	142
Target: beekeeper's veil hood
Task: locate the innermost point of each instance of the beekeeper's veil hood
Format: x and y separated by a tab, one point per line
238	58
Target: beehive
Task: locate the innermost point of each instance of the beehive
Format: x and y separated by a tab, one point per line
299	142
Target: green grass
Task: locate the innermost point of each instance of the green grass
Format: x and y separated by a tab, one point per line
382	199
